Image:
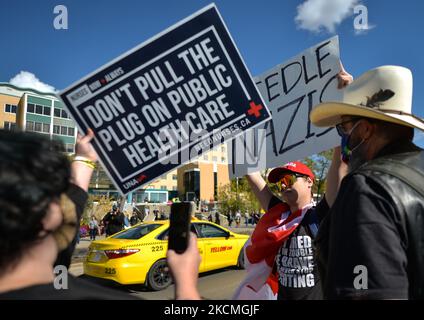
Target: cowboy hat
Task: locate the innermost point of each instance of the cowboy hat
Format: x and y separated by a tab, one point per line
383	93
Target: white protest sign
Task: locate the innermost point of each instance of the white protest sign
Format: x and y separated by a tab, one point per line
290	90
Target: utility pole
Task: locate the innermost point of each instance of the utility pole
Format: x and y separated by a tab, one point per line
237	193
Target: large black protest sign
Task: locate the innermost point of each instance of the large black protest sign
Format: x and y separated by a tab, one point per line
291	90
167	101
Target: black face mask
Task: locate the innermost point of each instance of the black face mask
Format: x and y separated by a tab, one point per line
346	150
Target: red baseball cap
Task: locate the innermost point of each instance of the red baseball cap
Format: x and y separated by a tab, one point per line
292	167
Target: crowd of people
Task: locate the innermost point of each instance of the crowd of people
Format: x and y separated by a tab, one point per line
371	215
114	221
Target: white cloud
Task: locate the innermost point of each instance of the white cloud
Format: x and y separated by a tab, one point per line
25	79
315	15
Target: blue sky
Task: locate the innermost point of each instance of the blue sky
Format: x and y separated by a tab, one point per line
265	32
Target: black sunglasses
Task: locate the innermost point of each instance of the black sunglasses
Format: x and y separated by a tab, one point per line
339	127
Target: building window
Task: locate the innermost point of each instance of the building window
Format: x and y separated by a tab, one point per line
64	131
222	159
60	113
57	112
205	157
30	108
9	126
154	197
222	148
214	159
38	109
192	185
69	148
38	127
174	188
174	177
163	187
10	108
46	111
30	126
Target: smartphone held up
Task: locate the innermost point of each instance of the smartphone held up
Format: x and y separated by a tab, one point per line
179	230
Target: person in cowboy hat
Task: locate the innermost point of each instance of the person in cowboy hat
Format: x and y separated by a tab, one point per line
370	243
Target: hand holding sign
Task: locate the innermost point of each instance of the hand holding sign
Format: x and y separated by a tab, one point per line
343	77
84	148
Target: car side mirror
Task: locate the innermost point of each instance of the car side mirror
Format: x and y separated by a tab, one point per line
228	235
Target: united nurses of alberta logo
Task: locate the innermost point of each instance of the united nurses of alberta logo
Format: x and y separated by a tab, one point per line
378	98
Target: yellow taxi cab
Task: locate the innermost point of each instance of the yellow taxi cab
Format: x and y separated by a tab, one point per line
138	255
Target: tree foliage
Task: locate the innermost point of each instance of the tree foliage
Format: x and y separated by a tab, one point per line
319	165
237	196
97	207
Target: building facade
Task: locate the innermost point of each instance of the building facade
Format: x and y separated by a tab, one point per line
9	100
201	179
34	111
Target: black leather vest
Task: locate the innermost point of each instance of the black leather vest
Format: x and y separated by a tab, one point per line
402	175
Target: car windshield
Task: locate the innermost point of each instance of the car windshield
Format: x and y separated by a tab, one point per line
137	232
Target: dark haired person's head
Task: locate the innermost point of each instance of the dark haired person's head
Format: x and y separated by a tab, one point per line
34	173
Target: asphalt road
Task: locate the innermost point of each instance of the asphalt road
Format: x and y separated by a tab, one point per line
214	285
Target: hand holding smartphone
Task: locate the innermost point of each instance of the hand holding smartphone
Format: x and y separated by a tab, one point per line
179	230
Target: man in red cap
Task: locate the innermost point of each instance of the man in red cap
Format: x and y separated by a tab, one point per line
284	236
280	255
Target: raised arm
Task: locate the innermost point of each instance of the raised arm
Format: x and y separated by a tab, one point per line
337	171
82	169
260	189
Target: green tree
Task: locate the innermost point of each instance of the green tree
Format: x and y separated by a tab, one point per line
237	196
319	164
97	207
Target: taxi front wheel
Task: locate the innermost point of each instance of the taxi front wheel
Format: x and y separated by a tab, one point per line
240	260
159	276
